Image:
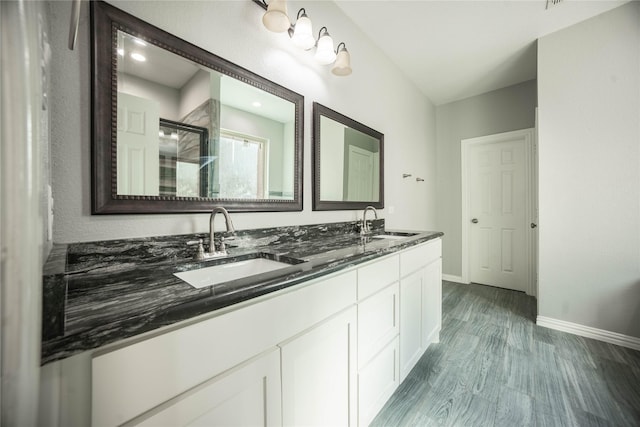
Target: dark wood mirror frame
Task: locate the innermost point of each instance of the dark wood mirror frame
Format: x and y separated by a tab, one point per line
106	20
330	205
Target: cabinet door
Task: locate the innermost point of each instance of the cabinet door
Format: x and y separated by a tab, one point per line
319	379
377	322
247	395
410	322
432	303
377	381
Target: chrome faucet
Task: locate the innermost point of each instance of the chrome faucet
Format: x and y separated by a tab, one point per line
364	228
230	229
201	254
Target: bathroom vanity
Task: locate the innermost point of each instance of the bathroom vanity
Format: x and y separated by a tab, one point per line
324	341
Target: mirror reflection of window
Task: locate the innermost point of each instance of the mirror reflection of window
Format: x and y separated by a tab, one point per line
242	165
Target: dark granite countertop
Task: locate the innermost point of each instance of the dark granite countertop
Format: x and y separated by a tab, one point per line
98	293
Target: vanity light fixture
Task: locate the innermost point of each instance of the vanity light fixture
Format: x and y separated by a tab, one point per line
276	18
342	66
325	54
301	34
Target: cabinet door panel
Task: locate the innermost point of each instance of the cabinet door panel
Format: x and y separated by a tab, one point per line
432	303
247	395
377	322
319	380
377	381
410	322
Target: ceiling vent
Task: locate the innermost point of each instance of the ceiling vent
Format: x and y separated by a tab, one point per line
551	3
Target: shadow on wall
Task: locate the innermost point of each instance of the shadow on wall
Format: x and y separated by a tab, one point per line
610	308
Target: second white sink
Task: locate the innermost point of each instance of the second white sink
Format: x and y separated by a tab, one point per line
388	236
221	273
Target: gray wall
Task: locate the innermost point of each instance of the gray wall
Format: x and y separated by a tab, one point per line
503	110
589	172
233	30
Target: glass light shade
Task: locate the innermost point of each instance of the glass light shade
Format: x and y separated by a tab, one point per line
276	18
342	67
324	52
303	33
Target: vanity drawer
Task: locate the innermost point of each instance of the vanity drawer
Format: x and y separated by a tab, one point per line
413	259
375	276
131	380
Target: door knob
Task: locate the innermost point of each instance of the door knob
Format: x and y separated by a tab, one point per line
534	225
474	220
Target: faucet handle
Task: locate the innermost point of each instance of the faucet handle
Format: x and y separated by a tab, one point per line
200	254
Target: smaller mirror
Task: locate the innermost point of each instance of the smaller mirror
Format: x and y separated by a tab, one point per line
348	162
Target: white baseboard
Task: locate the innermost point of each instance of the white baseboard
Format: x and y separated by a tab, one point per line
452	278
589	332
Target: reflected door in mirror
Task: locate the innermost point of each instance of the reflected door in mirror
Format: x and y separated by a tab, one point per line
348	162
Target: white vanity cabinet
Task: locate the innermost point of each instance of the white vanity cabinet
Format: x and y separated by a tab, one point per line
134	384
327	352
420	302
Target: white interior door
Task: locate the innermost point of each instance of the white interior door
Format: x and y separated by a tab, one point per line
498	193
360	179
138	150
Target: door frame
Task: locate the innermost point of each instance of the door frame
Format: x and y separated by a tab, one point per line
528	138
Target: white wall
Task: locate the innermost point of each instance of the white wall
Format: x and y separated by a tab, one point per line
197	91
332	159
589	172
168	99
376	94
502	110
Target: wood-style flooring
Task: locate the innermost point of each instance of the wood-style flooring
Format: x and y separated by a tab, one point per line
495	367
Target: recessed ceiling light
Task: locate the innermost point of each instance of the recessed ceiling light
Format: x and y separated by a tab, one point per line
138	57
256	104
139	42
120	51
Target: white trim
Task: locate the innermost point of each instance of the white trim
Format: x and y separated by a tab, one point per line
527	136
589	332
452	278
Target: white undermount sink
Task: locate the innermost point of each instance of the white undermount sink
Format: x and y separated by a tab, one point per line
388	236
221	273
393	235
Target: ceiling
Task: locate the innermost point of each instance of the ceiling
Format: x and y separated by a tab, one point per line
456	49
167	69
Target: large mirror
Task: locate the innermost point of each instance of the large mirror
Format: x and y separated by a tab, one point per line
348	162
179	129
